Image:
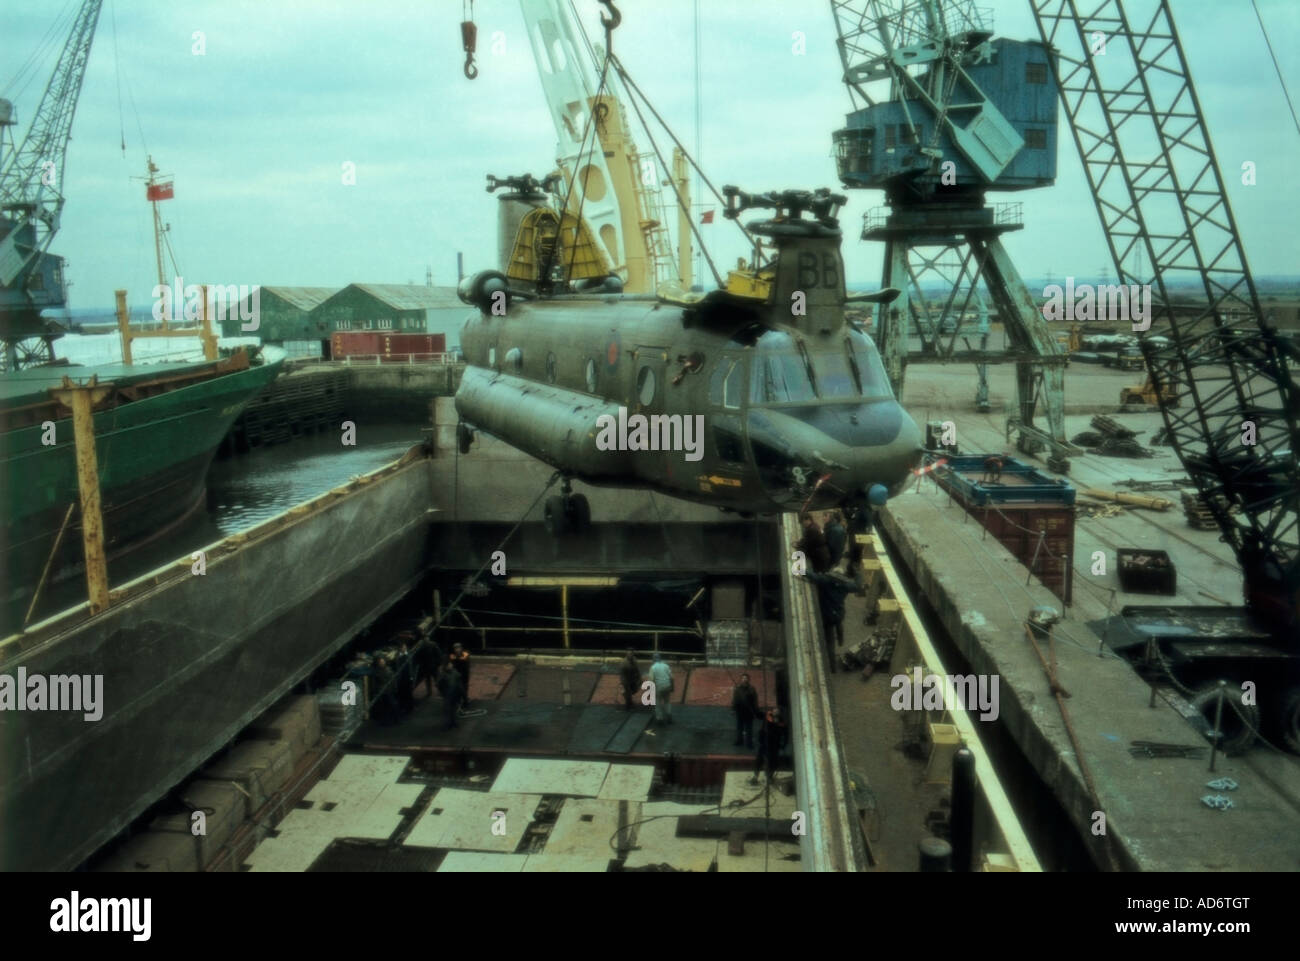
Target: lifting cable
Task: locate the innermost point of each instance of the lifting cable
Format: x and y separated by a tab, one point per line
627	79
1280	79
599	111
588	128
671	180
455	605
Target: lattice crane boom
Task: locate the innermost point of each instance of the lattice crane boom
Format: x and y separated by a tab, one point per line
31	187
1146	151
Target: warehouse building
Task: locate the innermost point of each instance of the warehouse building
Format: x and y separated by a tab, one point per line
394	308
284	316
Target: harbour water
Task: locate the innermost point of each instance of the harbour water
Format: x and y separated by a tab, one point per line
247	489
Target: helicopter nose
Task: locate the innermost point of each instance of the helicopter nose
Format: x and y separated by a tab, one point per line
874	461
846	448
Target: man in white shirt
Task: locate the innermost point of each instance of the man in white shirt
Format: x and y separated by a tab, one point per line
662	676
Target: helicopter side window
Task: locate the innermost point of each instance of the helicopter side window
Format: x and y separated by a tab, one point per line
725	385
645	386
727	439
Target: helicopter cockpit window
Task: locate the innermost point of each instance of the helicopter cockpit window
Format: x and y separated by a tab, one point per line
870	369
834	378
779	375
591	376
780	378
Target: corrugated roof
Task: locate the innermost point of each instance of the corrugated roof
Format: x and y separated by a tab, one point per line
412	296
304	298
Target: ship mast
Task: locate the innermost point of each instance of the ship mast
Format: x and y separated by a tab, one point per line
155	191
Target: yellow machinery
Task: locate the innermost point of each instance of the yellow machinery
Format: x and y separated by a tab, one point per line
1146	394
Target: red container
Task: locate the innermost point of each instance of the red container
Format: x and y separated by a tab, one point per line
355	343
350	343
1040	537
393	345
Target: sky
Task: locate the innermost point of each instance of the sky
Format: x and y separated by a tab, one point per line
256	129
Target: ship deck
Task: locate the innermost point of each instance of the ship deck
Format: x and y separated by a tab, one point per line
31	386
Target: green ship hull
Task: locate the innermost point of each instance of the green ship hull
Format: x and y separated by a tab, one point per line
155	440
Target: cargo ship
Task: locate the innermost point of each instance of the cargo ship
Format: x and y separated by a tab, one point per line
155	436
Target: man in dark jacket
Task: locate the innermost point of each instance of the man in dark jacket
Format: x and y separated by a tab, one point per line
831	591
630	677
453	692
859	522
836	537
384	705
771	739
429	656
744	701
813	545
405	681
460	661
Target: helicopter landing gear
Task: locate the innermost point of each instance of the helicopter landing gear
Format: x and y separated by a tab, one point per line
567	513
464	438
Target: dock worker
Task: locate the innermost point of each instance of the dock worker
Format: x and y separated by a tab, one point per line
452	690
836	538
744	701
859	522
429	656
831	591
993	465
405	682
771	739
630	677
384	706
460	661
813	545
662	676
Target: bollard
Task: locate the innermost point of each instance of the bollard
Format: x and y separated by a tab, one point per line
935	856
962	816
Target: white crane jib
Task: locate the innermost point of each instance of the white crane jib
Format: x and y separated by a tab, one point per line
606	177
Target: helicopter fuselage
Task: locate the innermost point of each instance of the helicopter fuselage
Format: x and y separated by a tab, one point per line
712	403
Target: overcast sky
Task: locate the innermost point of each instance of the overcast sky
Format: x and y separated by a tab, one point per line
256	130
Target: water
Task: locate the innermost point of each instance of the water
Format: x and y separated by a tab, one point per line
251	488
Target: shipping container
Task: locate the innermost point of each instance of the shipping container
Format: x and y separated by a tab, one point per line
387	346
1027	512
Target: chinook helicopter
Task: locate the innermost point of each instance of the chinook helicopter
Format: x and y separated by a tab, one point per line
758	397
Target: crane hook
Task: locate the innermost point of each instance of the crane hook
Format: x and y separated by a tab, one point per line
611	22
468	39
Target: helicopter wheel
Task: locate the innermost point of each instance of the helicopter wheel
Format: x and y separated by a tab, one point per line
555	518
464	438
579	511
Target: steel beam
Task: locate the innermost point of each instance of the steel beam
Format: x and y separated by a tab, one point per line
831	841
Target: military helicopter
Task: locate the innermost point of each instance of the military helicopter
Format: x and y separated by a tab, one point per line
758	397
